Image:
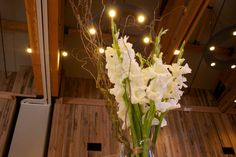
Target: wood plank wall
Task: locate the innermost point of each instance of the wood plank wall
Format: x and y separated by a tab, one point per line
7	110
188	134
19	83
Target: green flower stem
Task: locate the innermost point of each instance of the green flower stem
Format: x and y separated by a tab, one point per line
147	127
115	42
157	128
137	121
134	126
181	51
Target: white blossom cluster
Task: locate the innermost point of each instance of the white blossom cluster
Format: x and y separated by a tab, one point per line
158	82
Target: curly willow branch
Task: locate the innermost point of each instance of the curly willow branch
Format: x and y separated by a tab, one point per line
82	12
83	15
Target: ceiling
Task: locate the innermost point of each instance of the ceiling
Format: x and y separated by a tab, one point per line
16	41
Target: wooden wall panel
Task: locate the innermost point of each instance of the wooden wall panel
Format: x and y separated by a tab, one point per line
7	110
188	134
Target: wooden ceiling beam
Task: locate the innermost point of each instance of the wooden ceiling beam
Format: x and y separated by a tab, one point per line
180	17
14	25
30	8
56	32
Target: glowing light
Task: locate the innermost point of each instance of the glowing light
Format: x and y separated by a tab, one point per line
112	13
92	31
213	64
146	40
141	18
64	54
101	50
176	52
29	50
234	33
235	101
233	66
212	48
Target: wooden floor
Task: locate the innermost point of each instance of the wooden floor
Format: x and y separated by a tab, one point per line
19	83
7	109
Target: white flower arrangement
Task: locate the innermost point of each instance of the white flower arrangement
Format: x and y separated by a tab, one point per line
144	90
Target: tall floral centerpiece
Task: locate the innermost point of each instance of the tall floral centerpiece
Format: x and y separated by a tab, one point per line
145	89
139	90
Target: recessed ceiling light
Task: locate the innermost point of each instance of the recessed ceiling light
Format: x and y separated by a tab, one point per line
64	54
29	50
212	48
92	31
101	50
234	33
176	52
233	66
112	13
146	40
213	64
141	18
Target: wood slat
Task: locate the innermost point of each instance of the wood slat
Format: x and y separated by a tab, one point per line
14	25
19	83
24	82
7	110
188	134
74	126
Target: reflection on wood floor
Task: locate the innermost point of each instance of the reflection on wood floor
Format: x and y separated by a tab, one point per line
188	134
7	109
20	83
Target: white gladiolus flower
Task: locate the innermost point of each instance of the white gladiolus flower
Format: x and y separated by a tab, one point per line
113	65
166	106
164	123
156	82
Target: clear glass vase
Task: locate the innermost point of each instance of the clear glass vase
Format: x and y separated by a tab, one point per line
137	153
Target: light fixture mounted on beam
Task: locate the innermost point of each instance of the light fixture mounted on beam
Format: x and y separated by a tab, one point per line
64	53
29	50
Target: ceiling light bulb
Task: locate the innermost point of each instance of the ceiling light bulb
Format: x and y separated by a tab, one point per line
212	48
234	33
213	64
235	101
101	50
233	66
176	52
92	31
29	50
112	13
141	18
64	54
146	40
